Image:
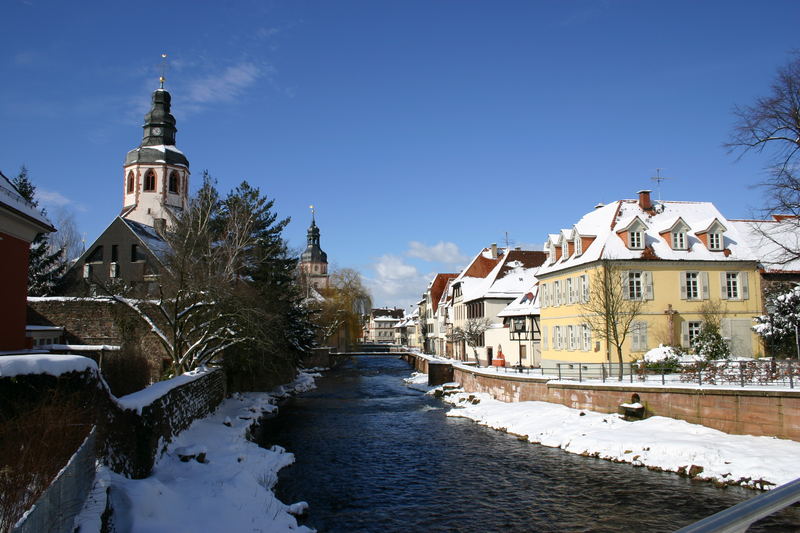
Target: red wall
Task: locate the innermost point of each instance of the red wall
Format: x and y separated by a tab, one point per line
13	292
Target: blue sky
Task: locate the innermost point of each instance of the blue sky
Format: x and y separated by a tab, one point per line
421	130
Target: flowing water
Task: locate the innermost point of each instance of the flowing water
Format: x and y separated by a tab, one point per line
375	455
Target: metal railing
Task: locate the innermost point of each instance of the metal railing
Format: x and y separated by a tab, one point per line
756	372
741	516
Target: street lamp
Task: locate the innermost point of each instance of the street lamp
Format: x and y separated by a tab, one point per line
520	333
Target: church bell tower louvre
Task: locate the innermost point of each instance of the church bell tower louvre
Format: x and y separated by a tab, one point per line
156	173
313	261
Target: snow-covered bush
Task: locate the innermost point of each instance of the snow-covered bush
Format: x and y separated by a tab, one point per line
662	359
779	325
710	345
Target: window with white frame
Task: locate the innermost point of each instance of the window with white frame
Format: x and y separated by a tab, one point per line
732	291
693	330
679	239
556	337
571	337
564	250
715	241
578	245
557	293
634	286
636	240
692	281
586	336
639	336
570	291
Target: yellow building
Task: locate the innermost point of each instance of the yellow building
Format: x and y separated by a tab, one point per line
683	260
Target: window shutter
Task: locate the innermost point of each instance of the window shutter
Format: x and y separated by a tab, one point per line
683	285
684	334
723	292
704	285
544	337
564	292
625	288
585	295
745	288
643	336
555	337
648	282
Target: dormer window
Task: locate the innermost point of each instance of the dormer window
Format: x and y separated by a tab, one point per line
636	240
578	245
676	235
565	250
715	241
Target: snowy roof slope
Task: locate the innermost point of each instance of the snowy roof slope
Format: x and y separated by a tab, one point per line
150	238
11	199
604	223
524	305
769	239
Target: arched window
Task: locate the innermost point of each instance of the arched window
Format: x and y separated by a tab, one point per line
150	181
174	182
130	182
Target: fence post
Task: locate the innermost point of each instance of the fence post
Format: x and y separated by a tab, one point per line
603	368
741	372
699	375
580	372
791	377
559	371
663	379
630	371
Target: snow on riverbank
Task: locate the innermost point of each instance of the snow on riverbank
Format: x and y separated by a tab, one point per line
230	490
657	442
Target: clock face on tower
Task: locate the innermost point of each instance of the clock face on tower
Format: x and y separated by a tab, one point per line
156	131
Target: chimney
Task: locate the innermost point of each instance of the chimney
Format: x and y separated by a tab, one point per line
494	250
644	200
160	225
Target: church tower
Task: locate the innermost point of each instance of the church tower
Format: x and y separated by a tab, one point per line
156	176
313	261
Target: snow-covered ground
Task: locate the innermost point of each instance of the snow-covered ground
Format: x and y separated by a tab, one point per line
657	442
230	490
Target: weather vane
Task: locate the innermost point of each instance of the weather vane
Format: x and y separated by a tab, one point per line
163	76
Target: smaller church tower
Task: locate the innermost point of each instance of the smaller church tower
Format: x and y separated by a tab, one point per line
313	261
156	177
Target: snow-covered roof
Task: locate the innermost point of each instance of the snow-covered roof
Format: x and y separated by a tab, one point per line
513	273
50	364
770	239
12	200
605	222
150	238
524	305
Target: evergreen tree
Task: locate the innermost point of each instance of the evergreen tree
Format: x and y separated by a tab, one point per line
45	265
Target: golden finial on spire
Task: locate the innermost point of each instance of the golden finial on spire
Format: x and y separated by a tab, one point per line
313	211
163	76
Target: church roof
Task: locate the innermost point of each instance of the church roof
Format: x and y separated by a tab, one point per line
158	141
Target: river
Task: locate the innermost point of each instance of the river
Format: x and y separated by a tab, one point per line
375	455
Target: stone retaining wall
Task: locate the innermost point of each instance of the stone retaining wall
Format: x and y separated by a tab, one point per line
744	411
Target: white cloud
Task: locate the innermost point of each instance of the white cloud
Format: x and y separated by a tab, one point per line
396	283
226	86
442	252
49	198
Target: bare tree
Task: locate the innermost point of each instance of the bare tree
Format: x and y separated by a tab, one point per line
345	304
772	126
472	333
613	306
